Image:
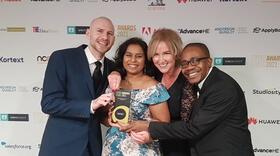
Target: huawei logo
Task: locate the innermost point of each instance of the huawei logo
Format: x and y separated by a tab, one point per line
252	121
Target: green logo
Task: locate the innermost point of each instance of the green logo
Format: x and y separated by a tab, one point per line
3	117
218	61
71	30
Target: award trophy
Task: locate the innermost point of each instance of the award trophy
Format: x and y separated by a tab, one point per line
121	106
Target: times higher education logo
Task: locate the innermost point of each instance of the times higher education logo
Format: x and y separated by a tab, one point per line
218	61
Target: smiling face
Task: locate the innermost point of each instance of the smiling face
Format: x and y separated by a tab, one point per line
134	60
101	36
195	73
164	58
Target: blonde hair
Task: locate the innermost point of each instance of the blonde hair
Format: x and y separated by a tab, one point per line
171	38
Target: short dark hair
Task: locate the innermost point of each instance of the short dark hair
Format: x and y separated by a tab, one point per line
201	46
122	50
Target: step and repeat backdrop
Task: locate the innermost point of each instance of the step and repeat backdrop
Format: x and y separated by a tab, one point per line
243	37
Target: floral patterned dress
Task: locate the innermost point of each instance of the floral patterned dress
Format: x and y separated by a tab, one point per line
119	143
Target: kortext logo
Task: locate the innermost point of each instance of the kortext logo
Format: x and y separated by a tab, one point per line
11	59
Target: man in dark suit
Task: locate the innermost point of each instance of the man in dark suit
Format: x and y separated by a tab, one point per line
72	98
218	124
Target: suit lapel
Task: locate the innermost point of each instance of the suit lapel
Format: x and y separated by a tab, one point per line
206	83
85	69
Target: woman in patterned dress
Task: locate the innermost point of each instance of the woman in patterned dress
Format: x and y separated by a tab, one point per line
148	100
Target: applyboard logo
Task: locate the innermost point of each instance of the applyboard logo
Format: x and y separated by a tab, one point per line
266	30
4	144
218	61
14	117
77	29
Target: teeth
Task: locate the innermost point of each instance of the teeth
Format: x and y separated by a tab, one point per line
192	74
163	65
132	66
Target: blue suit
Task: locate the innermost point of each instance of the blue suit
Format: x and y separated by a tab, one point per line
71	129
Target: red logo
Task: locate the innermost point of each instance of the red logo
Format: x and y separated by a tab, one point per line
252	121
148	30
180	1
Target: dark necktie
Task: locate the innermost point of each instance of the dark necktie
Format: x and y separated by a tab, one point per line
189	96
97	75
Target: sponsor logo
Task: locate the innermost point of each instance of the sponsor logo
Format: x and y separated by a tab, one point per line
10	0
5	144
156	5
266	30
15	29
231	30
37	89
266	150
273	91
14	117
254	121
83	0
229	61
269	61
194	31
190	1
125	30
233	0
42	59
77	29
148	30
11	59
118	0
45	0
37	29
8	88
13	89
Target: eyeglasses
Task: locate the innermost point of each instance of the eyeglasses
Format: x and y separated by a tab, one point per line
194	61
